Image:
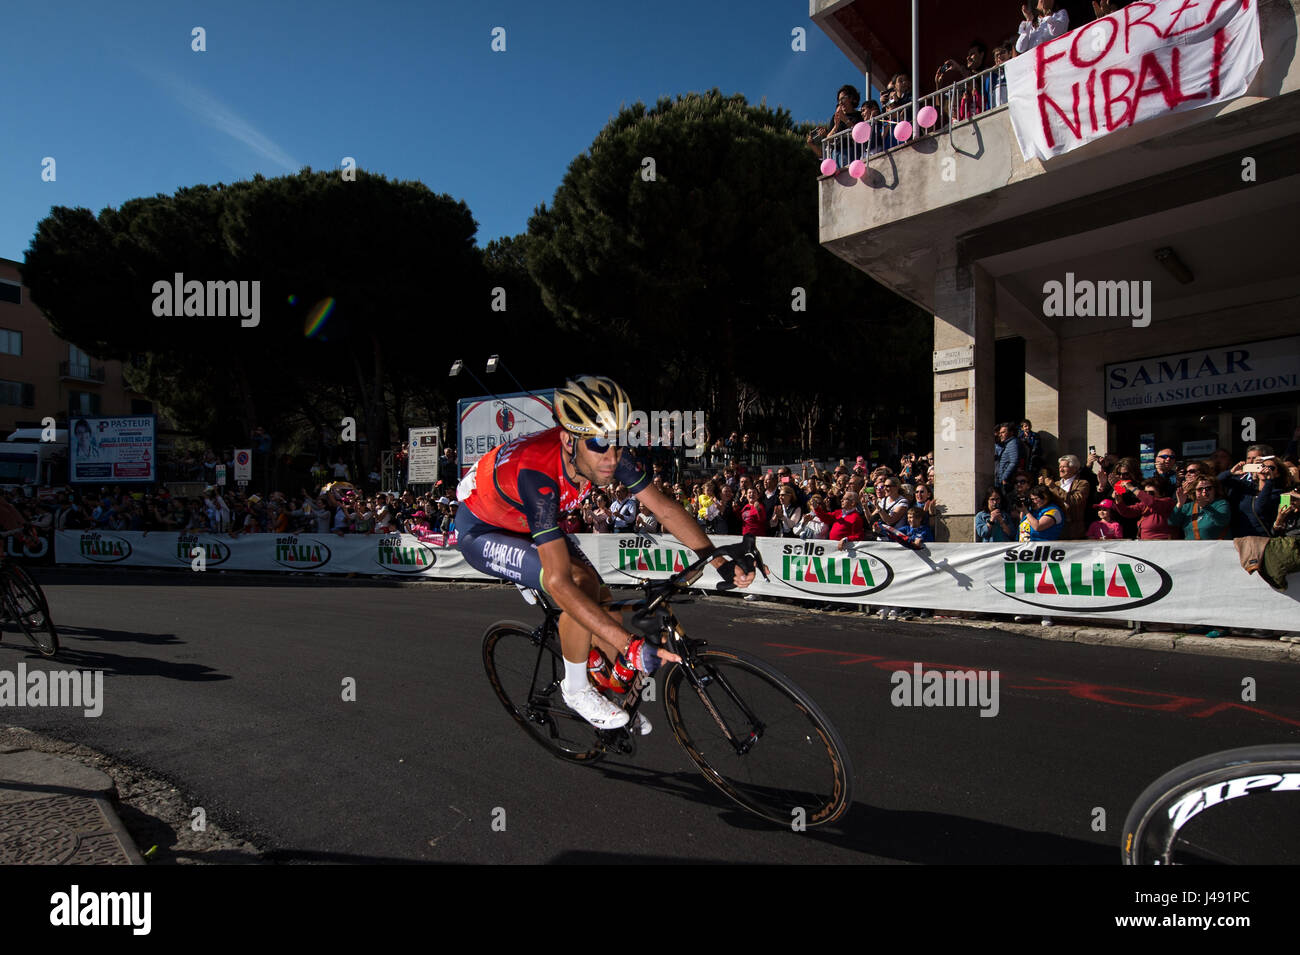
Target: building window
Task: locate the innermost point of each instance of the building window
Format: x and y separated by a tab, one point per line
141	406
11	342
78	362
83	403
11	292
17	393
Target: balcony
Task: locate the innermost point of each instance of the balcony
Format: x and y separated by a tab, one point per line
78	371
962	193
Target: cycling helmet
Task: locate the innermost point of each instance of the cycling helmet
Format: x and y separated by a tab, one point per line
590	406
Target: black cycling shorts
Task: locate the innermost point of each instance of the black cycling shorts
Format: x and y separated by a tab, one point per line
511	557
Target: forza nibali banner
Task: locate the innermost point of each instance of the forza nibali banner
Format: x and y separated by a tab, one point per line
1144	60
1187	582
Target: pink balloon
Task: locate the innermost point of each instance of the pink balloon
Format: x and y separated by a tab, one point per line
857	169
903	131
861	132
828	166
927	117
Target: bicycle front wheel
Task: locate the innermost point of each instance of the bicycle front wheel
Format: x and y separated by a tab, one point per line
30	611
525	668
1228	807
759	738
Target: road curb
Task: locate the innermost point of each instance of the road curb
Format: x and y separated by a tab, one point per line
1249	648
57	811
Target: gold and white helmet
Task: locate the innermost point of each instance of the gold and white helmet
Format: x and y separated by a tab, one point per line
590	406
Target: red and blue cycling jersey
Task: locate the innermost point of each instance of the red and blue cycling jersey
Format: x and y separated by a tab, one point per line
521	486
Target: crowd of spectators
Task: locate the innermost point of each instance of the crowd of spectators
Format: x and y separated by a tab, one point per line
1107	497
337	508
847	502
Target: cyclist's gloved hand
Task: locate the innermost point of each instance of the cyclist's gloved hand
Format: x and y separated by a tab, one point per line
647	658
736	573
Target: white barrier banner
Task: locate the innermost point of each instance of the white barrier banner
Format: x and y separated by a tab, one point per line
400	555
1139	62
1186	582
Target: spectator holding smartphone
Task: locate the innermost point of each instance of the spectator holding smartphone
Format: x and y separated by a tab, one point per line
1258	484
1151	511
846	116
1201	513
993	525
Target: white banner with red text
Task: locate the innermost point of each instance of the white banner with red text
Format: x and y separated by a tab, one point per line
1185	582
1140	62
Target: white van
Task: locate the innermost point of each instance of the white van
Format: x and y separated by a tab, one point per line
27	461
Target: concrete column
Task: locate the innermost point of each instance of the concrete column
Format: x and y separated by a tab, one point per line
1042	393
963	427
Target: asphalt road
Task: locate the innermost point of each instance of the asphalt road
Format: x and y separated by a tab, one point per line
232	688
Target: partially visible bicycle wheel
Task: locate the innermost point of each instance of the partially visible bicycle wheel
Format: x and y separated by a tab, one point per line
526	672
30	611
791	764
1237	806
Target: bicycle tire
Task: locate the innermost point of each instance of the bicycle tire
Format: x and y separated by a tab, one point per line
526	677
1159	828
21	573
811	764
30	611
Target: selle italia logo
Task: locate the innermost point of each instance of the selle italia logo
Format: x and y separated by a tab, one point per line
646	555
817	569
404	556
301	553
214	551
104	548
1041	576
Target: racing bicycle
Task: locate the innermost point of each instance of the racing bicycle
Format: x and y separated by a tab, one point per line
1234	806
749	729
23	602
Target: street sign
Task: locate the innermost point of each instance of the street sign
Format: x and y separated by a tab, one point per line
221	475
243	465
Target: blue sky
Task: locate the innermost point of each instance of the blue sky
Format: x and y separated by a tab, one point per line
115	94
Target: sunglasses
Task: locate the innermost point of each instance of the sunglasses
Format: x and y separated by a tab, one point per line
599	444
1164	455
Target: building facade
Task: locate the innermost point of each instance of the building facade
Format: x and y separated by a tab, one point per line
1198	208
42	376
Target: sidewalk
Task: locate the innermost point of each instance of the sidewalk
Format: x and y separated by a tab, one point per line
57	811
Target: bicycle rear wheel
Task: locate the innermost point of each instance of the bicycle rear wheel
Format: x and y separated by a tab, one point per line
30	611
1195	814
788	756
525	668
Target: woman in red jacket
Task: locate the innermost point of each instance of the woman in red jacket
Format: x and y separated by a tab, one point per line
1151	511
753	516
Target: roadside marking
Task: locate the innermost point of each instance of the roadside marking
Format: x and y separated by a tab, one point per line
1079	689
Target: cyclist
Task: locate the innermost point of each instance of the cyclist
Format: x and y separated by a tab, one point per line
12	522
509	527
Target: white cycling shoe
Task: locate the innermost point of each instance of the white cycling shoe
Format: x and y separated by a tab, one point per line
642	726
594	708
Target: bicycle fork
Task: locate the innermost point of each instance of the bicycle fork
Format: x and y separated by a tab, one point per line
701	683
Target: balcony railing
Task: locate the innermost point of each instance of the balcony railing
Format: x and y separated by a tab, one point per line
954	105
79	371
